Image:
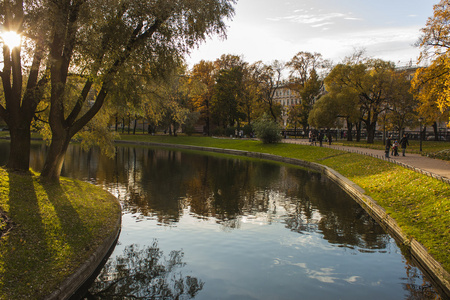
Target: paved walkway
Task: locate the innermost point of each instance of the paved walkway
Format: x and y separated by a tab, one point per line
437	168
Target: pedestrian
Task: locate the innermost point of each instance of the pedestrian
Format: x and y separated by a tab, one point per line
404	143
395	148
310	136
387	147
329	139
320	138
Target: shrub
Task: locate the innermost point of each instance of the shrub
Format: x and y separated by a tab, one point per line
218	131
230	131
247	129
267	130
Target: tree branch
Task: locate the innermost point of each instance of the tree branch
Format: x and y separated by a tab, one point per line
135	39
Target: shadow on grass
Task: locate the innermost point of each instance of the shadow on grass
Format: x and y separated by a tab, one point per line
72	227
47	236
25	251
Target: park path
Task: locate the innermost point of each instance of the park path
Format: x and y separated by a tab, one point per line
437	168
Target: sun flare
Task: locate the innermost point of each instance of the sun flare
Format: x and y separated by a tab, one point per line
11	39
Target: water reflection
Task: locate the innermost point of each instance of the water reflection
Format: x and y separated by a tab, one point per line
144	274
280	226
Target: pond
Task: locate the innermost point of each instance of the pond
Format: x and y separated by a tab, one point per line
205	226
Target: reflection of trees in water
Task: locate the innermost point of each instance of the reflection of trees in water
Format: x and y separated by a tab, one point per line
417	286
145	274
162	183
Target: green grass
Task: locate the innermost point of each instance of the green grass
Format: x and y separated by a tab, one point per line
56	228
420	204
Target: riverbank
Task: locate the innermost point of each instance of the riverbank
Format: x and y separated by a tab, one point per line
51	233
419	204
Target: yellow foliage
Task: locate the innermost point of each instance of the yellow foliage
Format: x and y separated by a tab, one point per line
431	85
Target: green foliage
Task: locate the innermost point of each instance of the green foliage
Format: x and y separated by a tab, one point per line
267	130
230	131
248	129
219	131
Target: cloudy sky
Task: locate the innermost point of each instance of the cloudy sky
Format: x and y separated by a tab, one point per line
278	29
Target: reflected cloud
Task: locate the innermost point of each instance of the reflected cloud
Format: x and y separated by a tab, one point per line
324	275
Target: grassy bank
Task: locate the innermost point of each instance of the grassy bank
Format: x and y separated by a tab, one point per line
420	204
52	229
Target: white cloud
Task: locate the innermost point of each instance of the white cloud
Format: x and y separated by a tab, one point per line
311	18
322	24
265	31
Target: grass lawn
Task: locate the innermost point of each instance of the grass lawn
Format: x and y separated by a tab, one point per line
420	204
55	228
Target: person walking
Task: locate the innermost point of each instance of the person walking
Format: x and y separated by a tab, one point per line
388	147
320	138
395	148
403	143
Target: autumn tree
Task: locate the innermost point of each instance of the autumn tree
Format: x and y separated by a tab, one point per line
324	113
269	81
306	70
371	82
94	40
431	84
250	92
227	96
402	105
202	81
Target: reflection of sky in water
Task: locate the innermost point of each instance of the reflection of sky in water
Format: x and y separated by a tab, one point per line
262	261
258	258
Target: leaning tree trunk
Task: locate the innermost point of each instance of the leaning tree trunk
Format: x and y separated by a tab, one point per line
55	158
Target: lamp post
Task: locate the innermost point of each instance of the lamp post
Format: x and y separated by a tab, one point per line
420	133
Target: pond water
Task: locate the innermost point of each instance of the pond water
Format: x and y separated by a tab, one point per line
203	226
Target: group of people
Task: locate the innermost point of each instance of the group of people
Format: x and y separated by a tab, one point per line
394	150
320	138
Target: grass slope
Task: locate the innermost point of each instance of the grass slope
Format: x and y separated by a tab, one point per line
56	227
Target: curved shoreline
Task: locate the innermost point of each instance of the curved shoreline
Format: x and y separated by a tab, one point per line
69	287
437	274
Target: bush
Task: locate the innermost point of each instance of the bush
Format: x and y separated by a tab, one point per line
267	130
218	131
230	131
247	129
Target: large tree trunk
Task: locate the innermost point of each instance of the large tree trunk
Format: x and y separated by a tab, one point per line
349	131
358	131
19	156
55	158
436	132
371	133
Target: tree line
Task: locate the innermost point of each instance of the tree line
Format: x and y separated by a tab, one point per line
87	65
